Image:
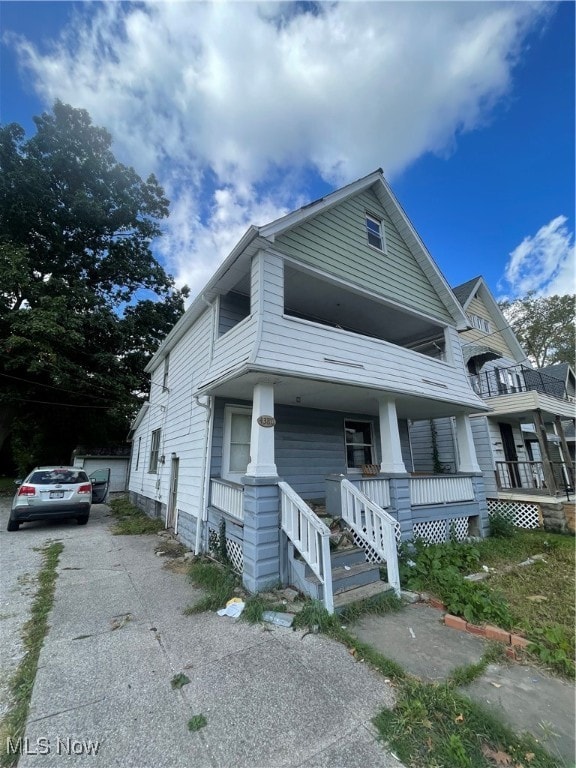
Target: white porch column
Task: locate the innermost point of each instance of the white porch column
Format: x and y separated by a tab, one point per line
390	438
466	450
262	437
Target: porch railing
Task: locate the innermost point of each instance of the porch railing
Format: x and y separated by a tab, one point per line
227	497
377	489
440	490
374	526
530	475
310	537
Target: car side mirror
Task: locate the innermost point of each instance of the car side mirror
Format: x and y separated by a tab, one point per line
17	483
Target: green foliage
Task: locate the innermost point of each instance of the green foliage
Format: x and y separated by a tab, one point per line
501	525
440	568
179	680
21	684
217	580
433	725
76	229
554	646
437	464
131	521
544	327
196	722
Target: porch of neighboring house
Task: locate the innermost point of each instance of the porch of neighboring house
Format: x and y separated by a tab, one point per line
533	469
319	497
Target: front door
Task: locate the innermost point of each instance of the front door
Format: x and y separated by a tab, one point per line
510	454
171	514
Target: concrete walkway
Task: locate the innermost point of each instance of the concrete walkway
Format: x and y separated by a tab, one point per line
271	696
527	698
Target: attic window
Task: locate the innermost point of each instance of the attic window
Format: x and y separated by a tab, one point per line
374	232
479	322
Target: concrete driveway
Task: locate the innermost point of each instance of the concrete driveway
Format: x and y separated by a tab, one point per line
103	693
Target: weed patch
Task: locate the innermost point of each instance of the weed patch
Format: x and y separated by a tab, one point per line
217	580
197	722
435	725
131	521
35	629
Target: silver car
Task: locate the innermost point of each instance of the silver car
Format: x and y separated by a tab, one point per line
54	492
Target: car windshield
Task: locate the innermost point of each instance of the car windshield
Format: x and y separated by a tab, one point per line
60	476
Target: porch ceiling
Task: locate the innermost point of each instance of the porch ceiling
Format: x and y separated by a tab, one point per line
329	396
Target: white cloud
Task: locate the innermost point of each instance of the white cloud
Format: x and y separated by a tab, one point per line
543	263
218	98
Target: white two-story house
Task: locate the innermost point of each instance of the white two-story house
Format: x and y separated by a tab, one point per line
289	384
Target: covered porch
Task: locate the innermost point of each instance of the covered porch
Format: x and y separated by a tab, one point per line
281	447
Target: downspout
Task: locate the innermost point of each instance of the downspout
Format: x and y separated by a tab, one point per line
202	510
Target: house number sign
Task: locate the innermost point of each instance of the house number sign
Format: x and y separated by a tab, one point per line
266	421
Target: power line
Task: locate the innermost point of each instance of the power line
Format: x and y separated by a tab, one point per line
51	386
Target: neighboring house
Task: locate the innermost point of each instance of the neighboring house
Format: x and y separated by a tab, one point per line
116	458
522	444
288	385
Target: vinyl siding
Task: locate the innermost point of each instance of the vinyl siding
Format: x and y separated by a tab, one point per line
484	452
309	445
495	340
421	442
335	242
292	345
182	421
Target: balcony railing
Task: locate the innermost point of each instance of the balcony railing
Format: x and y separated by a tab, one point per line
517	378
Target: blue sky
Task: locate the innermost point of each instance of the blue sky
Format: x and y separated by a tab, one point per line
247	110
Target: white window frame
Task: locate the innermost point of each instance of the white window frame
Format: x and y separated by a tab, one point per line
353	470
155	440
229	411
138	454
479	322
369	217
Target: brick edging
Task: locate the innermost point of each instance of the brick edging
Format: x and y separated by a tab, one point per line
488	632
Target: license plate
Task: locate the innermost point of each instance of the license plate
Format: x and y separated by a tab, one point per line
56	494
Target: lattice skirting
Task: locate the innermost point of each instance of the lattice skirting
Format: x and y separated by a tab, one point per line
233	549
521	513
371	555
438	531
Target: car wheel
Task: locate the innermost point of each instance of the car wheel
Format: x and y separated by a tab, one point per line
82	520
12	525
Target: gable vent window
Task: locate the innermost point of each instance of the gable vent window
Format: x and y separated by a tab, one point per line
479	322
374	232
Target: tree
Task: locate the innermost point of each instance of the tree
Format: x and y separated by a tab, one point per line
544	327
76	230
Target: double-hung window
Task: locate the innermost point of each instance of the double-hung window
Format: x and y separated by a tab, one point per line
154	450
236	445
374	232
359	443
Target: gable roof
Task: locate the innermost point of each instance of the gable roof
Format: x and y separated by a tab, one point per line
234	266
558	371
477	286
376	182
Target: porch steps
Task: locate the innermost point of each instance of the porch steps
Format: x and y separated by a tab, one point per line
353	579
355	595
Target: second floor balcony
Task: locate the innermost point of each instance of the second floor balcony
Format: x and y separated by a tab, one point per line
511	380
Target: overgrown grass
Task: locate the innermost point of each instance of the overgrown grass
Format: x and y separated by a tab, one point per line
434	725
34	632
131	521
537	600
217	580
